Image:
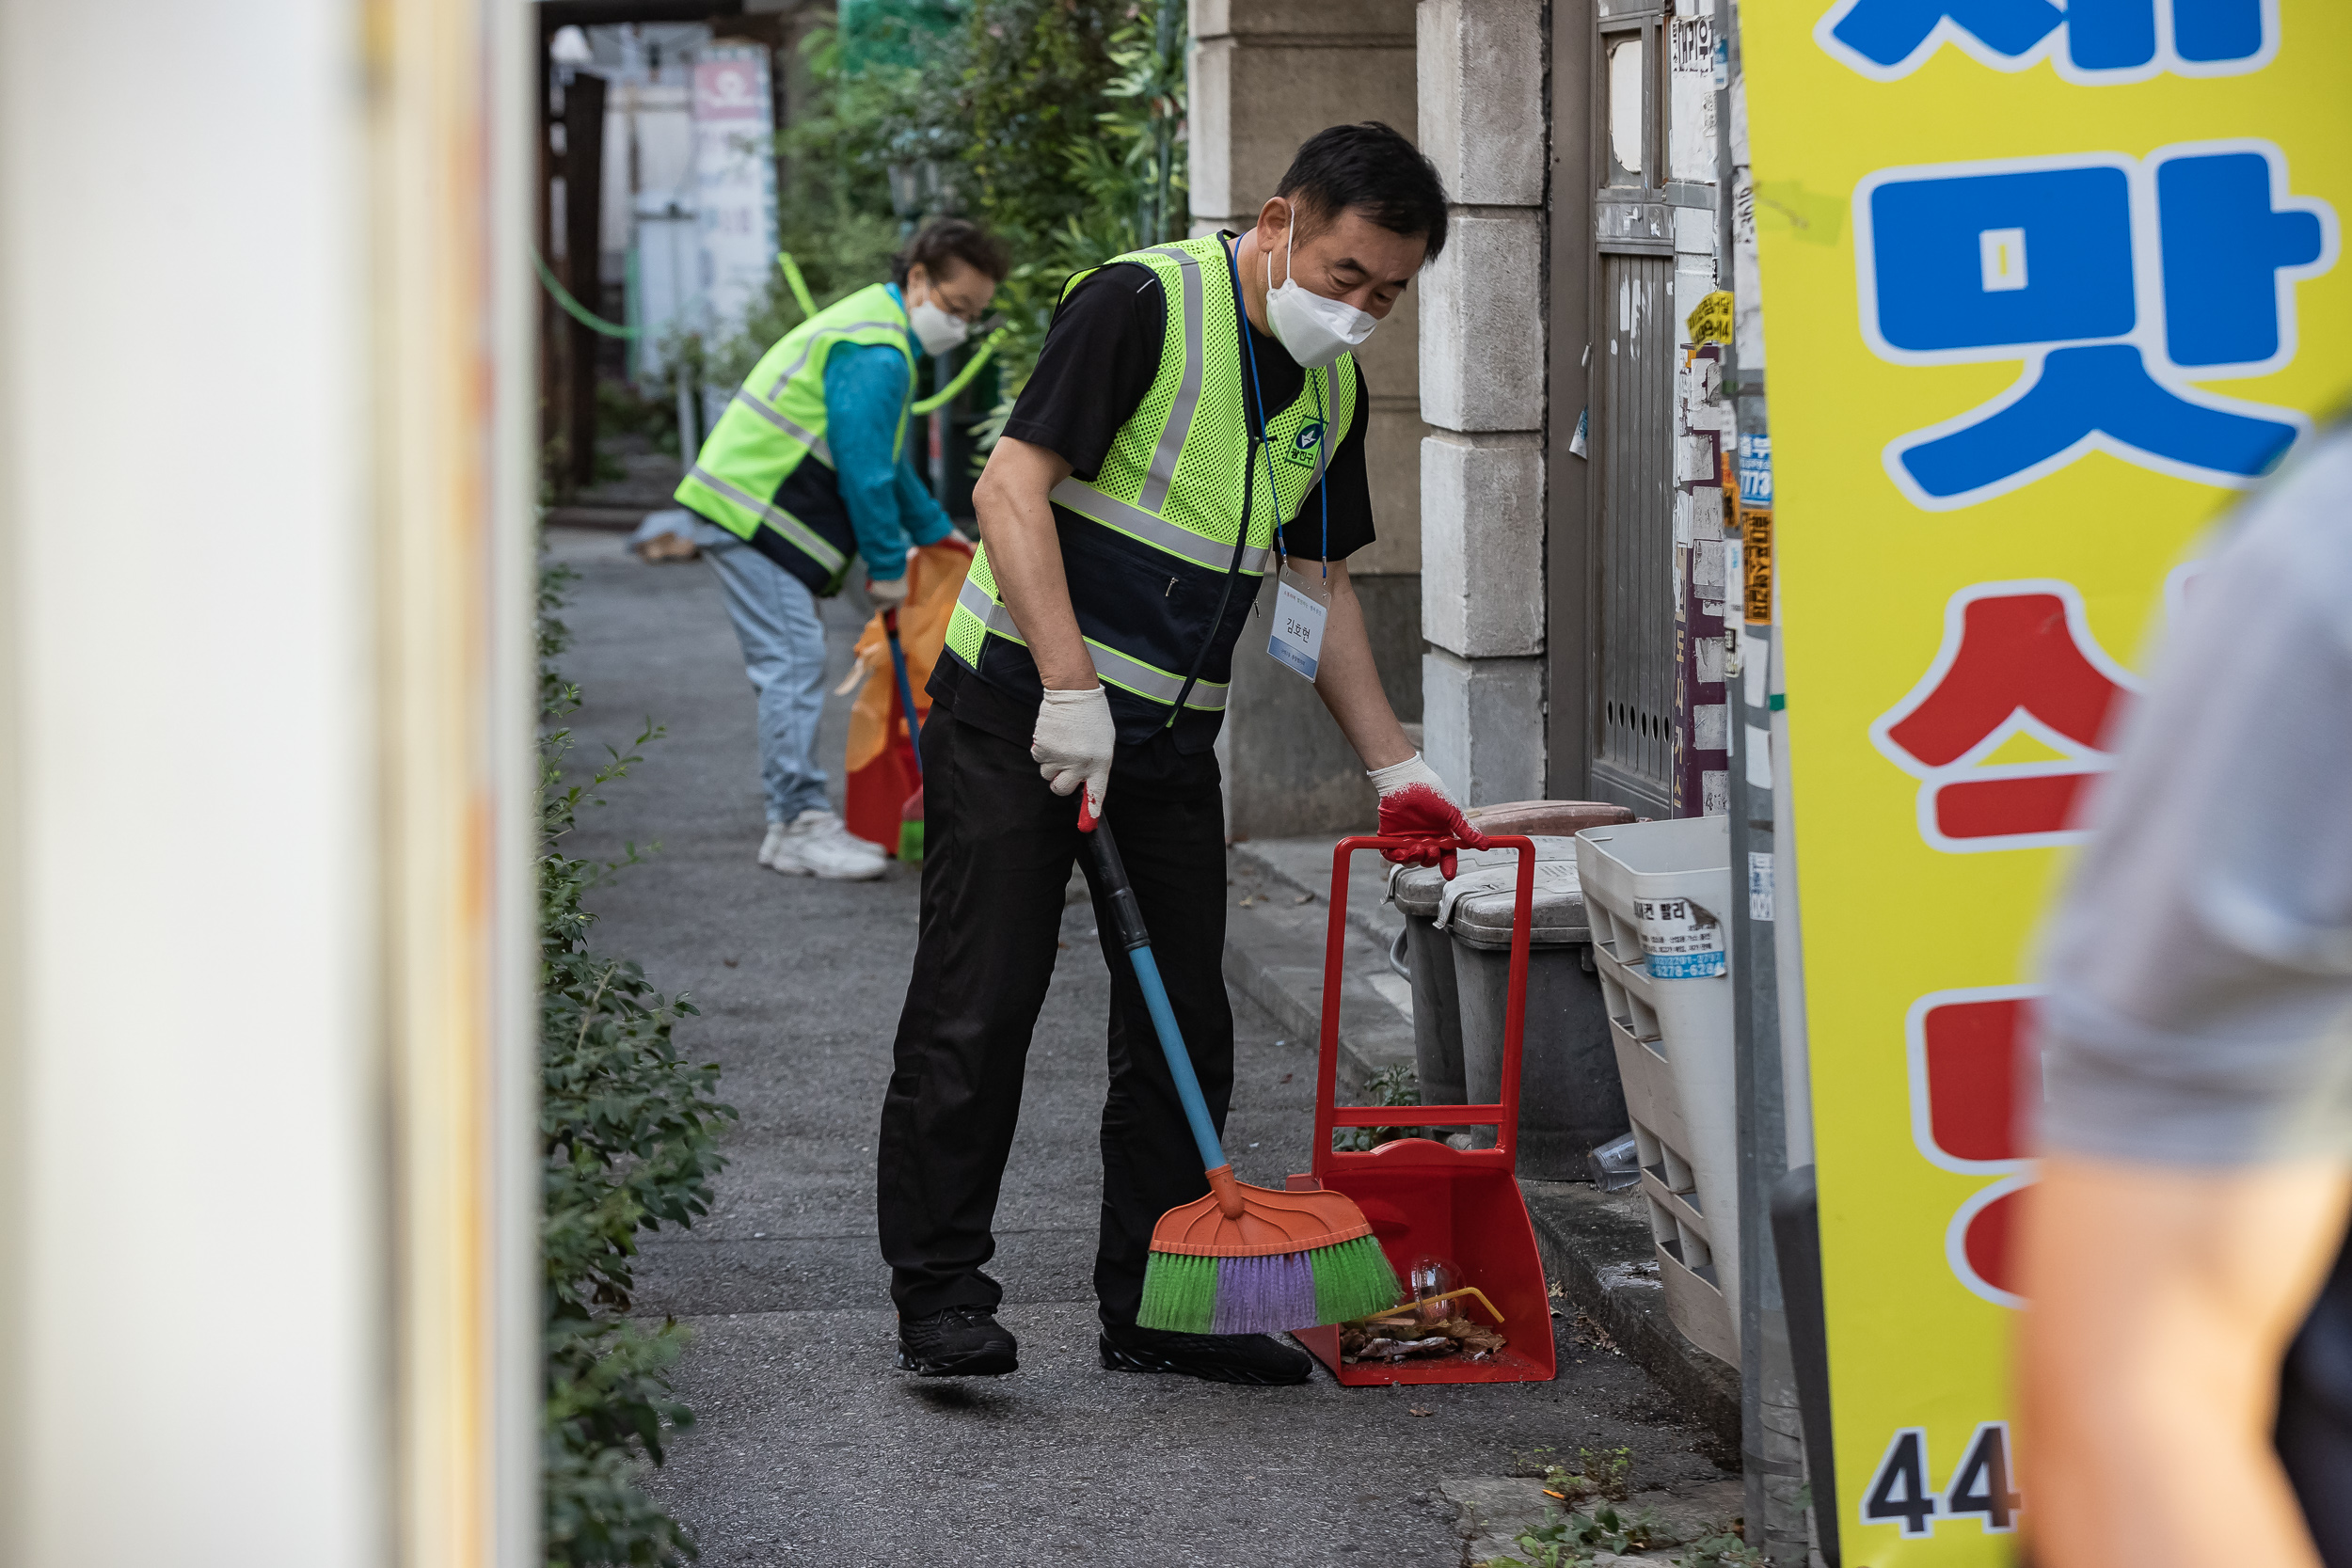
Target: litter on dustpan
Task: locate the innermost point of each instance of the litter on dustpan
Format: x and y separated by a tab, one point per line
1426	1327
1370	1339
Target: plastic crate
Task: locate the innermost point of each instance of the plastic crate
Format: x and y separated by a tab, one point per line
1655	894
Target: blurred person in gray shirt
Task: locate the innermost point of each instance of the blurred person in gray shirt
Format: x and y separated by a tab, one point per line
2185	1367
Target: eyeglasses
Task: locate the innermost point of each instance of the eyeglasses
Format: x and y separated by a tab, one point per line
954	306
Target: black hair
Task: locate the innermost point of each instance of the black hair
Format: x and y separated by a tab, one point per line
941	238
1373	168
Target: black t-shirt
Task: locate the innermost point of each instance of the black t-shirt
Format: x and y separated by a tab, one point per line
1096	367
1094	373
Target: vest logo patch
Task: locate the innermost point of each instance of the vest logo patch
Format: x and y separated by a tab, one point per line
1301	450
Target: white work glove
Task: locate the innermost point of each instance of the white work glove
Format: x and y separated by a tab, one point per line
1396	776
888	593
1073	742
1414	805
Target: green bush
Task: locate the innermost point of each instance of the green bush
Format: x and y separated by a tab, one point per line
628	1134
1059	124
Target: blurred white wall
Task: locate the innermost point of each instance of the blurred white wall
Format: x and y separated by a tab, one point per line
264	1053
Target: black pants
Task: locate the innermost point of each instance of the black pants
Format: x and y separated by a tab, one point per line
997	851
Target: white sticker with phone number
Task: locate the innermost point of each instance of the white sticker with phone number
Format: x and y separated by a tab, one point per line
1298	639
1679	941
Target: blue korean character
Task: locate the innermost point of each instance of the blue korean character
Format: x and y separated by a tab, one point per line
2105	40
1986	261
2111	35
2224	250
1889	33
2207	32
2038	262
2084	394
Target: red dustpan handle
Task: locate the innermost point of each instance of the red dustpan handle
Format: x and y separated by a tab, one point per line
1505	1114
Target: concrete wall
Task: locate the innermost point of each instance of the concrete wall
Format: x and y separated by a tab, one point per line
1287	769
1482	371
1267	75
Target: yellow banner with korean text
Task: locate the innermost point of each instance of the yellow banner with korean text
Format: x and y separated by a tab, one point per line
2044	290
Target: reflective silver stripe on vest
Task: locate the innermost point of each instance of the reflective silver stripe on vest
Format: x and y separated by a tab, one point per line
1109	663
1154	493
809	438
1158	685
810	347
832	560
995	617
1084	499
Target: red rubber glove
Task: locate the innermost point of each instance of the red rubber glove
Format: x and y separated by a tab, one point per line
1414	804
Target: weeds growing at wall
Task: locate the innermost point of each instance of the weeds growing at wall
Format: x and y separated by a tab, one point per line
628	1131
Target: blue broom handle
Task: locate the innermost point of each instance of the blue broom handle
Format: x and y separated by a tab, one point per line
1179	1059
1127	920
906	689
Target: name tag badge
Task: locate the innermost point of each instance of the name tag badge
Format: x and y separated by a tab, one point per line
1299	611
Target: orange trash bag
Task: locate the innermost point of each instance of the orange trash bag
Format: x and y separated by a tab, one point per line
878	767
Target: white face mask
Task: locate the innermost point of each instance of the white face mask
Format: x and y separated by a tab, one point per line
1315	328
937	330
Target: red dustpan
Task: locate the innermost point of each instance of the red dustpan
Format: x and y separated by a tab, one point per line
1426	1199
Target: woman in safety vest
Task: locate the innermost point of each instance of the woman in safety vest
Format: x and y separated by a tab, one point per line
805	470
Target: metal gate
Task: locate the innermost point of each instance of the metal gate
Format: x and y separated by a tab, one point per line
1632	440
1633	446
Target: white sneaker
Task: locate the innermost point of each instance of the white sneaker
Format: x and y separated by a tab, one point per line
767	844
815	844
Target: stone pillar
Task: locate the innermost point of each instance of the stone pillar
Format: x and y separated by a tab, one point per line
1483	365
1267	75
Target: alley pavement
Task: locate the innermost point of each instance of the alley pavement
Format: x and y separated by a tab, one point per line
809	1447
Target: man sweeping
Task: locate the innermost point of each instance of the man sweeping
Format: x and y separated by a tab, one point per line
805	470
1196	424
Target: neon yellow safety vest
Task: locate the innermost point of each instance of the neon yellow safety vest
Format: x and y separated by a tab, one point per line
754	476
1152	547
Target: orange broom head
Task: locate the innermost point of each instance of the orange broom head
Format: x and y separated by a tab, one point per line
1237	1220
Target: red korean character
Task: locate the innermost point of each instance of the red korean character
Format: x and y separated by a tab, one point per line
2018	658
1972	1070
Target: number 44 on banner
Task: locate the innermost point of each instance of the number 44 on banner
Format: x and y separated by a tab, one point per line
1980	1487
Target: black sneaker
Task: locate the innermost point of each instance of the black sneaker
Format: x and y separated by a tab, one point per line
963	1341
1253	1358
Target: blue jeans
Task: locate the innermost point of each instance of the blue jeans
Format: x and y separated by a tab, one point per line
783	636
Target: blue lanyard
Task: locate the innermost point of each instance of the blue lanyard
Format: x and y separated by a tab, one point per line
1322	439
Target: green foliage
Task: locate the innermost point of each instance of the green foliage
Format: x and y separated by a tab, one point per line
1547	1545
1396	1085
1605	1473
1532	1462
1565	1539
1604	1529
1077	150
1057	123
627	1135
1721	1551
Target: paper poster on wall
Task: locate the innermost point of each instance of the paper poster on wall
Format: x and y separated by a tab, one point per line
2045	291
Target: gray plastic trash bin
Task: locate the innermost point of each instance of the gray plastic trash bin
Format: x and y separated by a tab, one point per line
1570	1099
1428	959
1419	893
1458	951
